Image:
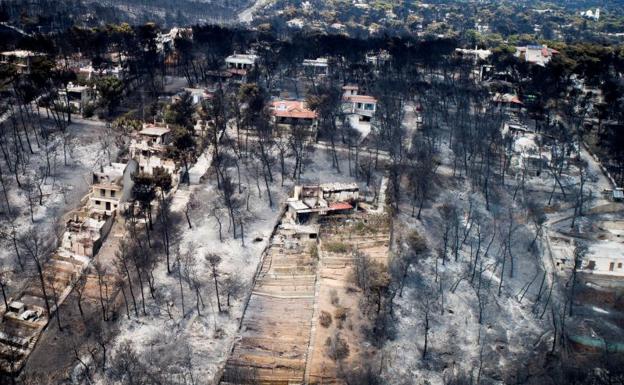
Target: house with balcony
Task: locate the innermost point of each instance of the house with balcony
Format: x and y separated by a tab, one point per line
105	197
359	109
149	148
316	67
21	59
77	97
238	65
112	185
288	113
508	103
364	106
378	59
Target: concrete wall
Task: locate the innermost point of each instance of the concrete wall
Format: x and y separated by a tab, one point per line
613	266
130	170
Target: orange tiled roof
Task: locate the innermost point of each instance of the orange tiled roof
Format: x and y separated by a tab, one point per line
292	109
340	206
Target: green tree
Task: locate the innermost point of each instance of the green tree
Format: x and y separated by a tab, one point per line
144	192
183	149
181	112
110	90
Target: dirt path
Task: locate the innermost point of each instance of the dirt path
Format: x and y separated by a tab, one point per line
275	331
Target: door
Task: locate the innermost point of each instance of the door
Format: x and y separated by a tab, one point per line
108	206
611	266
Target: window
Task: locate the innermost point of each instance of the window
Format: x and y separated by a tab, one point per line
591	265
98	203
112	193
102	193
620	265
611	266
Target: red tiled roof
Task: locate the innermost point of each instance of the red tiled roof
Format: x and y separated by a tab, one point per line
340	206
292	109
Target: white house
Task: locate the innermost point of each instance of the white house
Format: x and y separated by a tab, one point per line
22	59
149	148
296	23
166	41
605	258
536	54
112	185
364	106
589	14
319	66
238	62
77	96
481	54
378	59
88	72
198	95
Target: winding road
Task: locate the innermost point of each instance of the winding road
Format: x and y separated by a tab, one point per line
246	15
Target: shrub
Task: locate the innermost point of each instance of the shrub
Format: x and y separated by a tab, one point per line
337	247
340	314
88	110
334	297
325	318
336	348
314	251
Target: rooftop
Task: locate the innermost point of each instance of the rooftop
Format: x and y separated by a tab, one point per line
320	62
20	53
242	58
337	186
292	109
360	99
607	249
109	173
153	130
107	186
340	206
